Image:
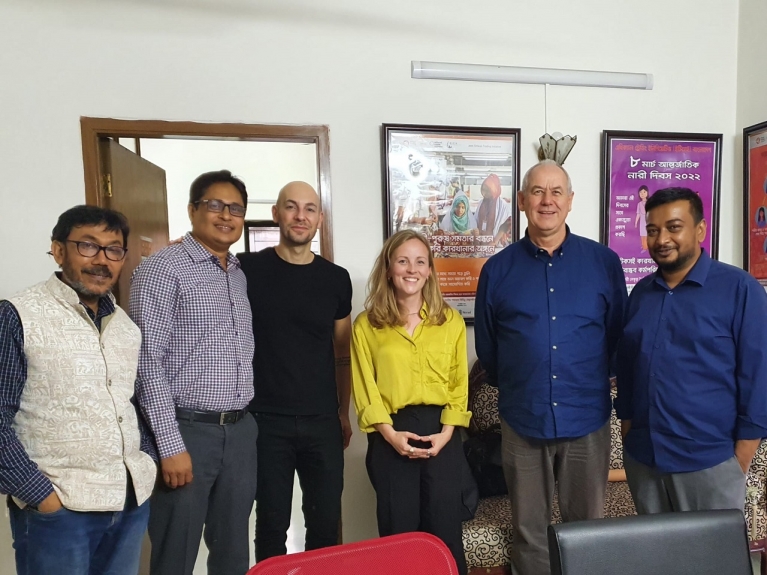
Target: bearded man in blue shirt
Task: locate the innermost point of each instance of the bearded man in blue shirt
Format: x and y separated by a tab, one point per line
549	311
692	390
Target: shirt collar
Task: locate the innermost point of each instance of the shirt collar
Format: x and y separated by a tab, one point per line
198	253
533	250
697	274
59	288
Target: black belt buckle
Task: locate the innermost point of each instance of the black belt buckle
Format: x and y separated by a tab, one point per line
229	417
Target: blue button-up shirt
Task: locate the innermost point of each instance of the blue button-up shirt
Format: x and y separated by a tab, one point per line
197	337
692	367
545	329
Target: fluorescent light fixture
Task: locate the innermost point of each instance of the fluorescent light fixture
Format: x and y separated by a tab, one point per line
518	75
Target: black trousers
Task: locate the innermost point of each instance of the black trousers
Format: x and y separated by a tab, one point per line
215	505
312	446
419	494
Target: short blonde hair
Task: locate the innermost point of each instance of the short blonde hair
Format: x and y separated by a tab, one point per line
380	302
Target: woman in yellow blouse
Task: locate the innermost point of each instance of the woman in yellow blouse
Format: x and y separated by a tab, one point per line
410	378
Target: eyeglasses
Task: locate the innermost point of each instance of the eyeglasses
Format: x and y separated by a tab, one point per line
217	206
91	250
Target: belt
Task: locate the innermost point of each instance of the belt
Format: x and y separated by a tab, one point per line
221	418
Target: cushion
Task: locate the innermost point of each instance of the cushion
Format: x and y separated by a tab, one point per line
487	538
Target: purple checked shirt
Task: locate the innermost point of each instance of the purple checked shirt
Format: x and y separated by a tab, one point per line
197	337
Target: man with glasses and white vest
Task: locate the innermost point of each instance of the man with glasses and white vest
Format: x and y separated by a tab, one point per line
195	380
74	458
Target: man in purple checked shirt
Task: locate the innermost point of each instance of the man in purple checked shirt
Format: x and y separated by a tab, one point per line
195	380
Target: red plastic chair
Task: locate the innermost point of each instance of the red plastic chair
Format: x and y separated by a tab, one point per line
404	554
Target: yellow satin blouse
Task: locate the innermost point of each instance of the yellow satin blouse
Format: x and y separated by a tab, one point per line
392	369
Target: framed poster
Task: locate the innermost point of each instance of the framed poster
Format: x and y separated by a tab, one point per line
634	166
457	186
755	201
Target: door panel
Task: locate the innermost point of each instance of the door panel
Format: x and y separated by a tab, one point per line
135	187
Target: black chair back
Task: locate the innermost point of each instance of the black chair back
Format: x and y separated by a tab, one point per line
686	543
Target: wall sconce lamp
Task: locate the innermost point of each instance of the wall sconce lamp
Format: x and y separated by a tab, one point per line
556	147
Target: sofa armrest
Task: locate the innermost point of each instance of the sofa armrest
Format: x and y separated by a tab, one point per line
756	495
758	467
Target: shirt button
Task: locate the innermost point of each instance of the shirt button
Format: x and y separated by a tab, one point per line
109	382
553	377
553	347
551	265
553	317
657	346
670	293
119	420
551	289
554	404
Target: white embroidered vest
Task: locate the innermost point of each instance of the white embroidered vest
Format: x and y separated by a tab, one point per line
76	420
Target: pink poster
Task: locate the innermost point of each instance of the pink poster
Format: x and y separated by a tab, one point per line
637	165
755	202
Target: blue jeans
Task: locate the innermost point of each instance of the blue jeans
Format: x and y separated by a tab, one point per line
79	543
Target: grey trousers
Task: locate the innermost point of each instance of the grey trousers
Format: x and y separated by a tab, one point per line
533	468
219	499
720	487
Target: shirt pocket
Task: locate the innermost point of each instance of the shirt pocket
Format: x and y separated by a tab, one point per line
437	363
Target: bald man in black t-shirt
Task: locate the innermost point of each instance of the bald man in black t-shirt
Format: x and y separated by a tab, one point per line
301	306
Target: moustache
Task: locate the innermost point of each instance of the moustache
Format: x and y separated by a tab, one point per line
102	271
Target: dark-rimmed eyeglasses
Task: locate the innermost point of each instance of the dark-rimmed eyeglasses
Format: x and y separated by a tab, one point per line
91	250
217	206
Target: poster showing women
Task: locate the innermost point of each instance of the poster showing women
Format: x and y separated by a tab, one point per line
637	164
755	201
457	187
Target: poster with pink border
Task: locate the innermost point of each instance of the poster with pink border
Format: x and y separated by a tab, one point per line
755	201
636	165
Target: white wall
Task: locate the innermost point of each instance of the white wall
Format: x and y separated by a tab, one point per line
751	93
346	64
752	76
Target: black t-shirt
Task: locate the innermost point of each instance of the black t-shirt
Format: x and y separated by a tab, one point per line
294	312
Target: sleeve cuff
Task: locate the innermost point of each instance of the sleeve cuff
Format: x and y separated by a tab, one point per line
35	490
170	443
457	418
372	415
747	430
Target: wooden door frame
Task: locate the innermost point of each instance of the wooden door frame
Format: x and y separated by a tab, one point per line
94	128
